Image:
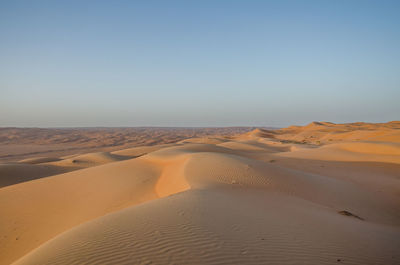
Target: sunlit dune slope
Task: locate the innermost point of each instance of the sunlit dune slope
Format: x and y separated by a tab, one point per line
91	159
223	226
326	132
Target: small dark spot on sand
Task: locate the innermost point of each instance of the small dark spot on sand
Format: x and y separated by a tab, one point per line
272	160
347	213
16	238
338	260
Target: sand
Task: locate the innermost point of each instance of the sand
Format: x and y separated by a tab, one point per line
288	196
18	144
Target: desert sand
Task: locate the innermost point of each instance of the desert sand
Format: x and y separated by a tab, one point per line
318	194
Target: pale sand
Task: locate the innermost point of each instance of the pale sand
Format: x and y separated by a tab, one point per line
318	194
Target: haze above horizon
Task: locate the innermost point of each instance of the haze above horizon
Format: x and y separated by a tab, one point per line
205	63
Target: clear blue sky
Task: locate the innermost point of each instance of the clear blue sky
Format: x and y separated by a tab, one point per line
198	63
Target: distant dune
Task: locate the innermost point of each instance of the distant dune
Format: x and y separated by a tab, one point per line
318	194
23	143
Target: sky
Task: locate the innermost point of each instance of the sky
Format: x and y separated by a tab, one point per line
198	63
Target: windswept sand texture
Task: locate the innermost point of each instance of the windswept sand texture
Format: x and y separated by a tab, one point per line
318	194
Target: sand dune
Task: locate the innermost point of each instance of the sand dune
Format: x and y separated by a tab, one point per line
13	173
325	132
288	196
223	226
35	211
35	168
350	151
141	150
91	159
23	143
39	160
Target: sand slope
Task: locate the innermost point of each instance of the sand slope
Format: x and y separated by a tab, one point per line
326	132
13	173
350	151
265	197
35	211
35	168
90	159
224	226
